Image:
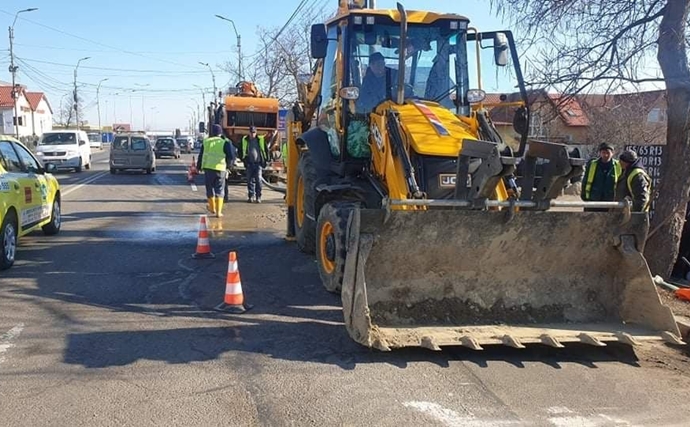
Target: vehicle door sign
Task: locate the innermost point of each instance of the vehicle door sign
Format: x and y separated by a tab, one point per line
28	195
4	186
376	134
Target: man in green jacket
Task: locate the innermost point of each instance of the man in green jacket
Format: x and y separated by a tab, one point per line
635	183
215	156
600	178
254	155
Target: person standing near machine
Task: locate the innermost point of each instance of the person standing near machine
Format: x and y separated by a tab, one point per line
254	155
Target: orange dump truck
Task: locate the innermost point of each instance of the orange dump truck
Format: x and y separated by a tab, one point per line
243	107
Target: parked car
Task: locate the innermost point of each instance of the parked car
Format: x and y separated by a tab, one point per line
167	147
29	197
95	140
66	149
132	151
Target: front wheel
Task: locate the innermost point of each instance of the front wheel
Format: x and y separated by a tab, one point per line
53	227
331	238
8	235
78	169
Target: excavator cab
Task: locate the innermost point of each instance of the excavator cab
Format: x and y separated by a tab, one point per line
403	188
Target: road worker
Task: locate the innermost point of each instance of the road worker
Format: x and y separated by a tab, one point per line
635	183
254	155
215	155
600	178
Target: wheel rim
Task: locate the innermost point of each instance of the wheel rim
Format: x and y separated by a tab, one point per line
327	247
10	242
300	202
57	216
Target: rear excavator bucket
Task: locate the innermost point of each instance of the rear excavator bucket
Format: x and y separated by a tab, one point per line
451	272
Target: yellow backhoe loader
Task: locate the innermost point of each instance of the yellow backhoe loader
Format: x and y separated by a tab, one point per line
401	185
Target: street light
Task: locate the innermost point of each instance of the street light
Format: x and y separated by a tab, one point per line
14	68
203	94
213	76
98	102
143	112
239	45
76	98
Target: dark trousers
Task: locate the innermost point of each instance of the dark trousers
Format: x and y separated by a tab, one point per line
254	180
215	183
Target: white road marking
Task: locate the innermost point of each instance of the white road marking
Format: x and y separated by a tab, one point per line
7	340
451	418
194	188
83	183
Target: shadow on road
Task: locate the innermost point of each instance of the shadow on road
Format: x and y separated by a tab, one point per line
293	317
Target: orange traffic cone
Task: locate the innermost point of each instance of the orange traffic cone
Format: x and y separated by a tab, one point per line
203	247
234	298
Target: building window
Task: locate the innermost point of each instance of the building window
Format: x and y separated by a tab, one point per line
656	115
536	126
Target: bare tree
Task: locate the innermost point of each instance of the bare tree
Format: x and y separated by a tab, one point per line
282	57
65	113
580	45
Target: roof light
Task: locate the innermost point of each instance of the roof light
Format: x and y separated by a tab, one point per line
370	20
453	25
358	20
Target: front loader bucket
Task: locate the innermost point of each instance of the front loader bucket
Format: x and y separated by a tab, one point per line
473	278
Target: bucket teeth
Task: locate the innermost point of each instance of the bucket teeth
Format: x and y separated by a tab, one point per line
626	338
381	345
511	341
428	342
591	340
549	340
671	338
471	343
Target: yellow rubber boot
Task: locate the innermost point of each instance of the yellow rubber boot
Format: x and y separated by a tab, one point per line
219	207
211	205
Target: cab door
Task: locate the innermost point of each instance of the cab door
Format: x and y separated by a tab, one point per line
22	188
31	168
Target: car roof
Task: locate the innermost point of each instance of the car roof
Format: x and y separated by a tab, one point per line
62	131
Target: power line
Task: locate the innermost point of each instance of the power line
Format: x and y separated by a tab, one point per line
126	70
109	51
98	43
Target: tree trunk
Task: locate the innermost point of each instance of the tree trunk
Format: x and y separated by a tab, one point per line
662	248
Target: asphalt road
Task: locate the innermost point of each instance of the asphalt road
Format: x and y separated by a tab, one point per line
112	323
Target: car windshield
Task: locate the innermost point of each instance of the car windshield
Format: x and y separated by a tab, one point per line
167	143
59	139
94	137
435	64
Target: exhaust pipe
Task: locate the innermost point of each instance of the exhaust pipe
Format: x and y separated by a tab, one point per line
401	54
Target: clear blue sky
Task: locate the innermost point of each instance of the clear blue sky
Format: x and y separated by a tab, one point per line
153	48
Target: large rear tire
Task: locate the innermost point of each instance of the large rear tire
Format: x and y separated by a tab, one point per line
331	229
305	198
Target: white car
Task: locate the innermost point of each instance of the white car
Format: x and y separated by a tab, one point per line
66	149
95	140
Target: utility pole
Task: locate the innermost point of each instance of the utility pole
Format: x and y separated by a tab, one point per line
213	77
76	97
13	70
239	46
98	102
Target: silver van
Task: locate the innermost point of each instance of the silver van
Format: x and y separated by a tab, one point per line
132	151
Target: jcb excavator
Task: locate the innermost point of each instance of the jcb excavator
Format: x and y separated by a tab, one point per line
401	185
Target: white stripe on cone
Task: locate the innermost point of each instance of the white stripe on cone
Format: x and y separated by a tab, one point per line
203	241
232	266
233	289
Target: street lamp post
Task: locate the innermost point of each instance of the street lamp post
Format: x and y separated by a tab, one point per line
98	102
239	45
213	76
13	70
203	95
76	98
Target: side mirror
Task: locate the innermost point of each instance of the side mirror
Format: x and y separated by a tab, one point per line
50	168
82	142
521	121
501	49
318	41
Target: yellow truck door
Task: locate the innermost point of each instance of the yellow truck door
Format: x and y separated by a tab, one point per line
35	190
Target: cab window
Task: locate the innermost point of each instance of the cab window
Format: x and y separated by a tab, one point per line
9	158
28	160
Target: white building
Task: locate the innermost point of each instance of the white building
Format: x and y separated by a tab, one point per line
34	111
